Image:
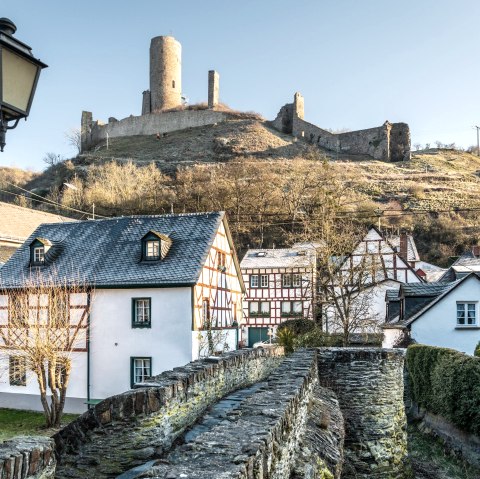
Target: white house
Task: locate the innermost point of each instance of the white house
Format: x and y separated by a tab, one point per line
389	271
154	282
438	314
280	285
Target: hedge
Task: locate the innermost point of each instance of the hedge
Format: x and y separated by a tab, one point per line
297	326
447	383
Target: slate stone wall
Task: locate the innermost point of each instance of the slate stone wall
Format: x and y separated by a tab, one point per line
369	387
127	430
93	132
263	437
27	458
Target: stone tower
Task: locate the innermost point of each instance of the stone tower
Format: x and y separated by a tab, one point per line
213	88
165	73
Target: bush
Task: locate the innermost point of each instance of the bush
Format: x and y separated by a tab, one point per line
297	326
477	350
317	338
286	338
446	382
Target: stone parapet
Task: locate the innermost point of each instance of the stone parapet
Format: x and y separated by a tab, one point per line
127	430
369	386
259	439
27	458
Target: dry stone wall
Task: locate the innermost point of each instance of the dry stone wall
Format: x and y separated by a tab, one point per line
93	132
369	387
127	430
27	458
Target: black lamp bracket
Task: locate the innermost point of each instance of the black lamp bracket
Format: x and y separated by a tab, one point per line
4	126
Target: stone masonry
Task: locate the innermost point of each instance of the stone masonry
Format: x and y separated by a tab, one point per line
213	88
369	387
127	430
389	142
27	458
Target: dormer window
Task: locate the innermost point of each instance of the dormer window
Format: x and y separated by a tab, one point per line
152	250
155	246
39	255
38	251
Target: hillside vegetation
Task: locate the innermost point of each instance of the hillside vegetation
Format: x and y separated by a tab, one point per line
272	185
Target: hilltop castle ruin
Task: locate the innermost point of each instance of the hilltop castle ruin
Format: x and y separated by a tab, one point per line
163	111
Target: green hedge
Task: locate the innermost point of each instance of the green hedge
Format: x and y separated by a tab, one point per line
297	326
447	383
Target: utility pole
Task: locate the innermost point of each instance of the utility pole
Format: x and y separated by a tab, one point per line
478	142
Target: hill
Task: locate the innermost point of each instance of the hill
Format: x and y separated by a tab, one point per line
254	172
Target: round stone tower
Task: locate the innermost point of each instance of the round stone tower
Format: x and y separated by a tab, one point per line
165	73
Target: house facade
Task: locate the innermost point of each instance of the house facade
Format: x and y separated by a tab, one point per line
389	270
441	314
280	285
156	289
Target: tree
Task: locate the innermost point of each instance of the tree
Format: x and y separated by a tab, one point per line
43	328
211	341
346	273
52	159
74	138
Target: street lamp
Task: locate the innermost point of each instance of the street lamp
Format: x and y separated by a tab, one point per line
19	72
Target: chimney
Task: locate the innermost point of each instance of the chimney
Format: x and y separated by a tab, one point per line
403	246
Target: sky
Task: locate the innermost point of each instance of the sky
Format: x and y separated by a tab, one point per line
356	62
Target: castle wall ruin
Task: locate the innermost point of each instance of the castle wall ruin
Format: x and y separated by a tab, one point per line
389	142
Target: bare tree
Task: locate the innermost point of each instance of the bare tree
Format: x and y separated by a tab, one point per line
52	159
210	340
43	327
74	138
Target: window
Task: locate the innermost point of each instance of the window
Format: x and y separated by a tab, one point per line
292	308
140	370
221	260
173	83
18	371
18	310
291	280
254	280
466	314
152	250
259	308
264	281
39	255
141	312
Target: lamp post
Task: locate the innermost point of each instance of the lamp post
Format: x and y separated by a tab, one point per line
19	72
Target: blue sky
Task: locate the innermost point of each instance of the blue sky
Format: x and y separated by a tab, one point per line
356	62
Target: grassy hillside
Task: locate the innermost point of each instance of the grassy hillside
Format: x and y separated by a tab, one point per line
253	171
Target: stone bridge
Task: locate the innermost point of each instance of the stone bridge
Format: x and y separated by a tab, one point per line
319	413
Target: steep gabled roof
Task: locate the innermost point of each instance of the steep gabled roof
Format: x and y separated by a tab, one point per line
107	253
412	252
18	223
280	258
422	289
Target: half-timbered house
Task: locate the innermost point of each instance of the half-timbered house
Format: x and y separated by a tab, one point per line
158	291
280	285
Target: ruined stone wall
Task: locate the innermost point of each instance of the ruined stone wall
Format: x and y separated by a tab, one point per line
266	433
127	430
94	132
27	458
373	142
369	387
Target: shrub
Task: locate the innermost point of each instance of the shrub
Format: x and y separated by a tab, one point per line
285	338
297	326
477	350
446	382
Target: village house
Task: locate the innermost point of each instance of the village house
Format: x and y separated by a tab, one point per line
435	314
392	264
17	224
280	285
156	287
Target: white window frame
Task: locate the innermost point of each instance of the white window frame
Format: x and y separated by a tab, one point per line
152	249
467	306
142	312
296	280
256	283
264	281
39	254
142	366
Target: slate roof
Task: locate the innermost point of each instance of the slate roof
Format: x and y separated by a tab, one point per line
107	253
18	223
391	295
279	258
422	289
465	264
